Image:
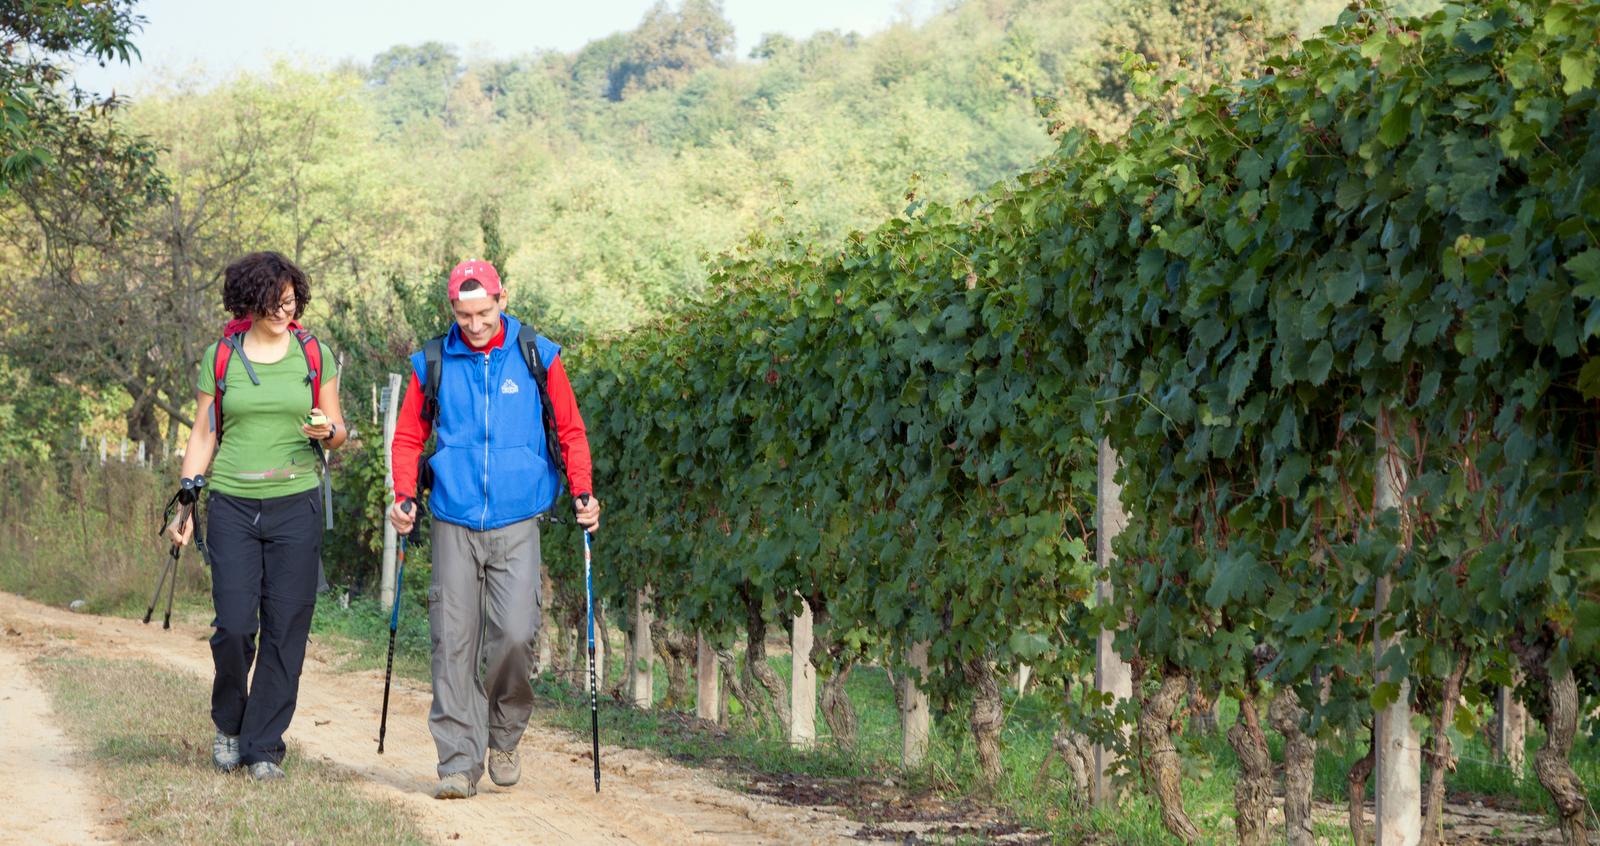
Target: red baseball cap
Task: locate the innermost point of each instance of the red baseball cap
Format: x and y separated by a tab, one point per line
479	270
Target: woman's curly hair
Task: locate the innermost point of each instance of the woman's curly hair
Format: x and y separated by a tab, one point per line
253	285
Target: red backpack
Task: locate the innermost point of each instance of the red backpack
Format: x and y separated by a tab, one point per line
233	343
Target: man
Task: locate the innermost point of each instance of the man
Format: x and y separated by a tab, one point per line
492	475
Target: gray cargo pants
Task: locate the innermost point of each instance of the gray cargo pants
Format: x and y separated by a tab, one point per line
483	612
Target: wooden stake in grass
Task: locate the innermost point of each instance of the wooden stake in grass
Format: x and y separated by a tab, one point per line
914	711
1111	674
707	695
641	674
802	682
1396	740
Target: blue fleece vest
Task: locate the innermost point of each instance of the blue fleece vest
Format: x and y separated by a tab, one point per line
491	467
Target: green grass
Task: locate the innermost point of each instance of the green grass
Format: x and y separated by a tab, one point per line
1210	764
148	740
361	633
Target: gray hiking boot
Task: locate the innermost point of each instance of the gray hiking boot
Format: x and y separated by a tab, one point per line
454	786
265	771
225	752
505	767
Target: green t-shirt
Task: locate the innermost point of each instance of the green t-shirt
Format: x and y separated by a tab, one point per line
263	453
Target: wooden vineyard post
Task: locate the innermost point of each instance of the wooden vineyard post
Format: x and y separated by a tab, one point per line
641	672
1396	740
1513	731
387	586
707	699
1112	675
803	682
915	716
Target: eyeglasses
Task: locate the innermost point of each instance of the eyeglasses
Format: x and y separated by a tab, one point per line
284	307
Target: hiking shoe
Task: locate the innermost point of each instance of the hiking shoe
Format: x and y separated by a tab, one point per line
265	771
454	786
504	767
225	752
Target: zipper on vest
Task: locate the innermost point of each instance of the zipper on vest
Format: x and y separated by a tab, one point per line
482	520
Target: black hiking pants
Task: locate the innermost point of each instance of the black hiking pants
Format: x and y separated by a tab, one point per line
265	563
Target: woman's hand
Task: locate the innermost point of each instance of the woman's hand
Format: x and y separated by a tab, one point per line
182	527
320	432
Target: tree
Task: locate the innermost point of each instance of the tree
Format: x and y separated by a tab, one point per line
31	97
277	164
670	47
1195	42
414	83
57	142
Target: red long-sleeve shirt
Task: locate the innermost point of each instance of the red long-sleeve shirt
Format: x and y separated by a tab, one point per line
411	432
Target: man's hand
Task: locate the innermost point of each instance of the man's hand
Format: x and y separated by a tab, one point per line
588	508
402	521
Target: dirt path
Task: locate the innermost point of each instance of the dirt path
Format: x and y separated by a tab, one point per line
646	800
36	765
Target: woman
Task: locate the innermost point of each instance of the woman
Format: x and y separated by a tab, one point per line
265	517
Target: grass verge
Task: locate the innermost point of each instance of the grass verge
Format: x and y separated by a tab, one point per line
144	732
755	758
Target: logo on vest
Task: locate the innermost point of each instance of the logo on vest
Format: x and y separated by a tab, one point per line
508	387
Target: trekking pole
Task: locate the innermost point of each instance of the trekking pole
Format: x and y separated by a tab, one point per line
160	583
188	492
594	699
172	588
394	623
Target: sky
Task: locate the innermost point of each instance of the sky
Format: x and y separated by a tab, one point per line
216	38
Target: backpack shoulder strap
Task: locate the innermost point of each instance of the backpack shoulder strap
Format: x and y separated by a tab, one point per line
432	372
220	354
311	348
528	344
236	343
432	375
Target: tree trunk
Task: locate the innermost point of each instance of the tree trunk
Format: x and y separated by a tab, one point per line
1252	793
987	718
141	419
1440	757
1299	759
1203	707
771	697
837	710
1076	752
1162	766
674	649
1552	762
1356	790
